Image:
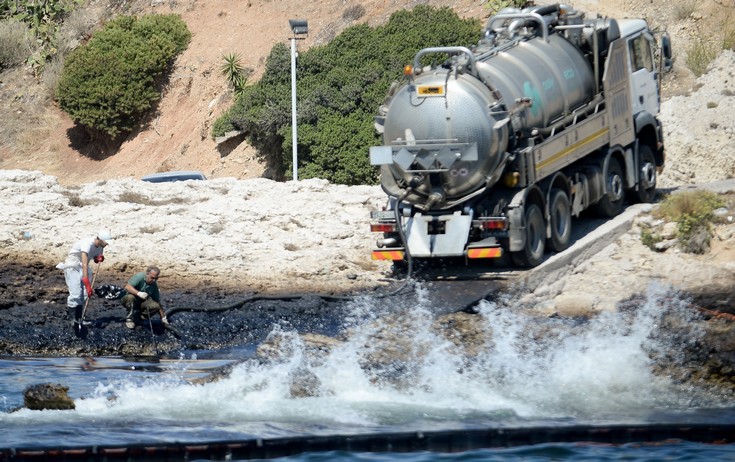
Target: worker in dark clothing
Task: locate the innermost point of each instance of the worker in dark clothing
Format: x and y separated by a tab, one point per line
142	298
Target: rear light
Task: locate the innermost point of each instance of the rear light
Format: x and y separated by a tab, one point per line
383	227
485	252
387	255
494	224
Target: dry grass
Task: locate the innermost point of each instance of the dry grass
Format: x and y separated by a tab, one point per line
16	43
728	39
51	75
77	28
353	12
700	202
14	107
693	212
152	229
40	126
75	199
138	198
700	55
166	166
684	10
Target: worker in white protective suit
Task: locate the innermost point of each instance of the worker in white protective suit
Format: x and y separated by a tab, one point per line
77	270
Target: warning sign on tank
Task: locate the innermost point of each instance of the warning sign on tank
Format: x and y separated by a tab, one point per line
430	90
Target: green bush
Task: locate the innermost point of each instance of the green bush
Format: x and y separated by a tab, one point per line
109	84
650	239
16	43
693	211
339	88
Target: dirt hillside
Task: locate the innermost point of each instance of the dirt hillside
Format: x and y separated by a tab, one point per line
177	136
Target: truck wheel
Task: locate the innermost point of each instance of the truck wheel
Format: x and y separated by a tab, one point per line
533	252
560	220
612	203
646	192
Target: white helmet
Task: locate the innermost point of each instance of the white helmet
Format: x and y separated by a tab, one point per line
105	235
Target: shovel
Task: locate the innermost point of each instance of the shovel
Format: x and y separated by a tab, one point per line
79	326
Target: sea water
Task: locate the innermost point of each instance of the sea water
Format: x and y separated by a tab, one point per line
394	372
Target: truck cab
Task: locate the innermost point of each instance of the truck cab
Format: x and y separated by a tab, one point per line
644	75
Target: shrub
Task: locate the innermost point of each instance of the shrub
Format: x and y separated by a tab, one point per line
650	239
43	19
16	43
235	73
52	74
693	211
700	55
353	12
340	87
108	85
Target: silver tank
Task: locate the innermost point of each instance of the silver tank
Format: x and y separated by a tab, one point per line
462	116
554	74
550	71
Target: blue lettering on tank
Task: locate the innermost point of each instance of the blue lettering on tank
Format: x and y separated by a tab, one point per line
531	92
569	73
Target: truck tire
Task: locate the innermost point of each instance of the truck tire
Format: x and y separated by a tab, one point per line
612	203
532	253
646	191
560	220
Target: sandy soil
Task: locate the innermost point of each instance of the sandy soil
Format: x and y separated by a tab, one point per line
176	136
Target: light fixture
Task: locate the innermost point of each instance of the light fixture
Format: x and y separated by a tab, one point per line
298	27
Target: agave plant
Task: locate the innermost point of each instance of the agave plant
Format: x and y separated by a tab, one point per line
235	73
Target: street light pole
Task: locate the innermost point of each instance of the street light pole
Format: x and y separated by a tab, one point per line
295	156
298	27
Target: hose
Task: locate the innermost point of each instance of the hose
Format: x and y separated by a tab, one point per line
397	215
290	297
284	297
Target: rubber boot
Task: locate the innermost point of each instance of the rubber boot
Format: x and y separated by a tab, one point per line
78	313
78	316
129	322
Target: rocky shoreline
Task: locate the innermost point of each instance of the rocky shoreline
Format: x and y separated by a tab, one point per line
235	253
36	321
702	340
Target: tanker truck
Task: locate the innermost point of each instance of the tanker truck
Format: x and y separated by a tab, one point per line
490	152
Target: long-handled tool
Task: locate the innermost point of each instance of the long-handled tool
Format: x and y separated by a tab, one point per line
153	336
79	324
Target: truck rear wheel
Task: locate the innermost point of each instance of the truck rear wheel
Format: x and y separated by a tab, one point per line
560	220
612	203
646	191
532	253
